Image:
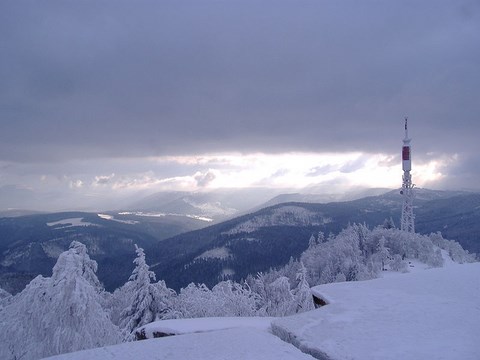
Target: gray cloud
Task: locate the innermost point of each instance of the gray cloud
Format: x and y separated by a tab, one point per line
353	165
93	80
103	179
322	170
203	179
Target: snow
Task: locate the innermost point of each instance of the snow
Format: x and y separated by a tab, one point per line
428	313
161	214
431	314
227	272
112	218
197	217
221	253
232	344
71	222
285	215
185	326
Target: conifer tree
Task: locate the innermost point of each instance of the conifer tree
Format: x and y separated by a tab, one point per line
302	293
59	314
148	300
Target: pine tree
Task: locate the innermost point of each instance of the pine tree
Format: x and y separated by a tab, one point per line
59	314
148	300
312	241
302	293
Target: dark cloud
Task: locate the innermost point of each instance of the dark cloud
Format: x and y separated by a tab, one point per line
95	80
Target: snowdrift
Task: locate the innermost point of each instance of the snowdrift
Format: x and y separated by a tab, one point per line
431	314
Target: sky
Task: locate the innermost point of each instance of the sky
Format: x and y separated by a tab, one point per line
112	99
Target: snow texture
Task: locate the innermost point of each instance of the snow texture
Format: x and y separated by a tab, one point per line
221	253
71	222
285	215
161	214
431	314
231	344
186	326
112	218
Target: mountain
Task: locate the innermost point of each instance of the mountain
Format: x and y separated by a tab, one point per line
269	237
30	245
217	205
322	197
183	249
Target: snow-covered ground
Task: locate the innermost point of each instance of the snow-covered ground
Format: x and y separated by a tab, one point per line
431	314
186	326
221	253
424	314
71	222
231	344
285	215
112	218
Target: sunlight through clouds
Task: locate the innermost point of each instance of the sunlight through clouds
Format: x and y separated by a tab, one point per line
288	170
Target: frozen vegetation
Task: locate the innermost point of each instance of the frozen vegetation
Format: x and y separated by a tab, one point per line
286	215
429	313
70	311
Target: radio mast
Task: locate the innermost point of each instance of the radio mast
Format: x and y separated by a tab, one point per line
408	219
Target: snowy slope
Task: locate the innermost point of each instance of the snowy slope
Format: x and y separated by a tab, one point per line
432	314
424	314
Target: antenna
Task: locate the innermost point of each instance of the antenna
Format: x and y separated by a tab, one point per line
408	218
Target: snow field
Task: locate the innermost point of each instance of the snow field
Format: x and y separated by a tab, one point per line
232	344
432	314
186	326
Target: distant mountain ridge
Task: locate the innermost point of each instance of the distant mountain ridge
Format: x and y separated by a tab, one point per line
270	236
233	249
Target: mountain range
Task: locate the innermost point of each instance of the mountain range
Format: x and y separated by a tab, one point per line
183	245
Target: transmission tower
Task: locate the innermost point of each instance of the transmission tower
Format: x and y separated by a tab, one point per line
408	218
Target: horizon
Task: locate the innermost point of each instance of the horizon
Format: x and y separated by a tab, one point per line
101	103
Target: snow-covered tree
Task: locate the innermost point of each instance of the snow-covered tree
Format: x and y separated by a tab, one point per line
59	314
281	301
148	301
312	241
382	253
389	223
302	293
194	301
234	299
398	264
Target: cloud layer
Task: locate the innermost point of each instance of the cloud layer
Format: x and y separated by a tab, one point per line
106	80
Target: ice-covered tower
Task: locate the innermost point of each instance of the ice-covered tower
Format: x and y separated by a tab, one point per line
408	219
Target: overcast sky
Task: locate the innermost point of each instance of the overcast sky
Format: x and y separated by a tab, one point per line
109	97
